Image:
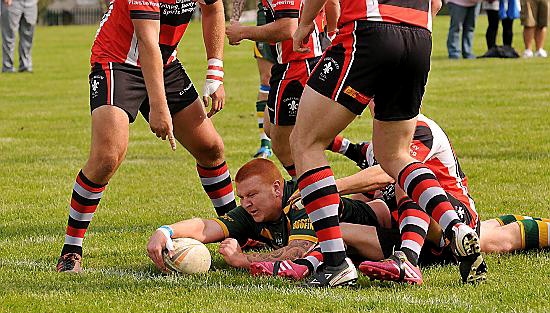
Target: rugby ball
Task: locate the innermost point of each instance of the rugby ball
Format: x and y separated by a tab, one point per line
190	257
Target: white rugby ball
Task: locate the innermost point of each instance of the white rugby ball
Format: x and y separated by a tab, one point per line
190	256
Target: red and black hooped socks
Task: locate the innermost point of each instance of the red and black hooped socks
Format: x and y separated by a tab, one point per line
321	200
85	198
413	225
216	181
421	185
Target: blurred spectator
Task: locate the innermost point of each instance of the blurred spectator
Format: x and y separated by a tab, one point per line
463	17
534	18
505	11
18	16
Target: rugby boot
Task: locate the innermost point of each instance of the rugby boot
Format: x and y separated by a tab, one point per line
69	263
343	274
465	246
264	152
395	268
285	268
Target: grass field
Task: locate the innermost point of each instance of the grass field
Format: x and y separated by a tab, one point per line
496	112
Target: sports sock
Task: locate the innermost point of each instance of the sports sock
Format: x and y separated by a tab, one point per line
534	233
353	151
339	144
260	107
511	218
312	259
216	181
413	225
85	198
421	185
291	170
321	200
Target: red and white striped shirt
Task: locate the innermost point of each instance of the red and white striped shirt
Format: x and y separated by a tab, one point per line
116	40
416	12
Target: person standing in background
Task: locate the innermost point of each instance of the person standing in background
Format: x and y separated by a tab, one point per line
463	17
21	16
505	11
534	18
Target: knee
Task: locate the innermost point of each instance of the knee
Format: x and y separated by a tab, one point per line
211	153
103	166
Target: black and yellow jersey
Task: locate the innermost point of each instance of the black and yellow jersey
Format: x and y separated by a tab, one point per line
294	223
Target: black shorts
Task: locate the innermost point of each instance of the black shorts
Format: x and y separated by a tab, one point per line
122	85
386	62
287	84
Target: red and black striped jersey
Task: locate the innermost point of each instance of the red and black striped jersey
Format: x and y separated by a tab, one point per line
291	9
413	12
116	40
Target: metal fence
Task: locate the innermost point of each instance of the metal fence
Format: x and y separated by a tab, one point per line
75	16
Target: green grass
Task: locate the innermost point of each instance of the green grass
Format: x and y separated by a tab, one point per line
495	111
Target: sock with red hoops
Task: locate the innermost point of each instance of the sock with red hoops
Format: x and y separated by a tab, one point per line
321	200
85	198
291	170
216	181
353	151
413	225
312	259
420	183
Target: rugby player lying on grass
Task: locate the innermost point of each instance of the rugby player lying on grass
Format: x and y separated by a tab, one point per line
264	215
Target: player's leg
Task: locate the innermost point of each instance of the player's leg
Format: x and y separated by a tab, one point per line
197	134
281	147
264	68
287	86
111	114
510	233
317	185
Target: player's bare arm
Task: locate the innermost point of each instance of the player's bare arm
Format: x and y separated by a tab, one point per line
203	230
332	11
238	7
160	121
279	30
310	10
233	255
370	179
213	29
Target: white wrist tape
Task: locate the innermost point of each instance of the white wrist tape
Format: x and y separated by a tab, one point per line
168	232
214	76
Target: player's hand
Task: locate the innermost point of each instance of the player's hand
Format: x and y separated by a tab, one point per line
233	33
160	123
8	2
217	101
157	243
232	253
301	37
